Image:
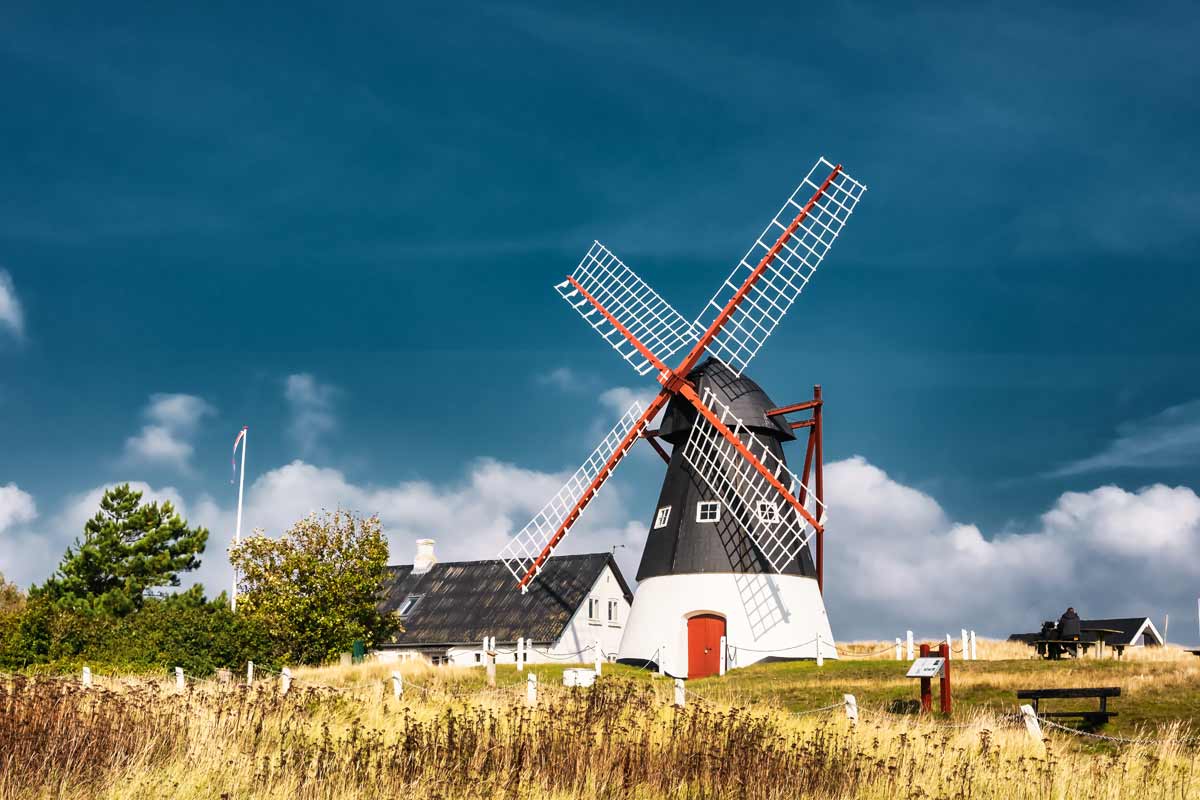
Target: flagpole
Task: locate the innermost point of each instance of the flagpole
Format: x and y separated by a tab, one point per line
237	533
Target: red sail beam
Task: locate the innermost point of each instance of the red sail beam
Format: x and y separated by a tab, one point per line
641	348
609	465
687	391
701	345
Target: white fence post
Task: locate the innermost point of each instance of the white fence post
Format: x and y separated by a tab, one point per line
898	651
851	708
483	651
520	654
87	677
680	694
531	690
724	656
1031	723
285	680
820	655
249	673
662	656
397	685
949	645
597	655
908	634
966	645
179	683
974	652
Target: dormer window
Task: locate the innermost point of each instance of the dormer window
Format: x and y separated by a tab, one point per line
409	604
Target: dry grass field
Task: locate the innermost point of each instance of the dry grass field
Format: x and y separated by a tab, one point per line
340	734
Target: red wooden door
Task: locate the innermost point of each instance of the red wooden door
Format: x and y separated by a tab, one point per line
704	645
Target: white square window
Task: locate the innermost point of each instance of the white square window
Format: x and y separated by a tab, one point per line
768	512
614	612
660	519
708	511
593	609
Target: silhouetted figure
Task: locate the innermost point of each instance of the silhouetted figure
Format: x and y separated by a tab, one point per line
1068	626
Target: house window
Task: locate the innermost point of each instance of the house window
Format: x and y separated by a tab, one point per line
614	612
660	519
593	610
768	512
409	604
708	511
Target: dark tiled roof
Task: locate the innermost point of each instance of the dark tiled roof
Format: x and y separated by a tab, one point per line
463	601
1128	627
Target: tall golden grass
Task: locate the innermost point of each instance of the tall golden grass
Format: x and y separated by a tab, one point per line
340	734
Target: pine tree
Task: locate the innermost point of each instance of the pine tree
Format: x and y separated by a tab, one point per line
127	548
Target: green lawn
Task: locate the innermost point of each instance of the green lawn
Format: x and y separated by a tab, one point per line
1153	692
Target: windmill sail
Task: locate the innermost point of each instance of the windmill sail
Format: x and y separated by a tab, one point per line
770	517
631	304
785	256
526	553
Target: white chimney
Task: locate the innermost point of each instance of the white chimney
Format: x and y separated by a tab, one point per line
424	560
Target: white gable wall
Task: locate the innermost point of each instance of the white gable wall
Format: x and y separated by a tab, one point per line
581	631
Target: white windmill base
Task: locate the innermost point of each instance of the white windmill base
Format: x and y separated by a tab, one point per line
766	616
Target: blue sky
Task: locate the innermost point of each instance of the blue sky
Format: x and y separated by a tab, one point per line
342	229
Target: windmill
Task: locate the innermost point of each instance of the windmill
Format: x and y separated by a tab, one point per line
726	572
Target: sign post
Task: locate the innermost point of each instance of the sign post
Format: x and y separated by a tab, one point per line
926	668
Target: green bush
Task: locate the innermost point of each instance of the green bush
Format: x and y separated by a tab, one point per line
181	630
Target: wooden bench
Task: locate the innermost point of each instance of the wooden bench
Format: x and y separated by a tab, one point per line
1102	693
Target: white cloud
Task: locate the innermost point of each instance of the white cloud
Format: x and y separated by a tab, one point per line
177	411
311	405
618	399
471	518
11	315
16	507
897	561
165	440
1170	438
562	378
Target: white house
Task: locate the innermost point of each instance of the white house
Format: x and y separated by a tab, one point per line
576	603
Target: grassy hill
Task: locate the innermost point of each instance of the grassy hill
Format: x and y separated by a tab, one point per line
1159	686
340	733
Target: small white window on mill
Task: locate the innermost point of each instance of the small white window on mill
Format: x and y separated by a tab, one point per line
660	519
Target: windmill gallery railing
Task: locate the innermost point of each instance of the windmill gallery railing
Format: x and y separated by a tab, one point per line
777	509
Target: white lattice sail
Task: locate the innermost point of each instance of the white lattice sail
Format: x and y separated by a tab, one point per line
796	248
630	300
777	529
520	555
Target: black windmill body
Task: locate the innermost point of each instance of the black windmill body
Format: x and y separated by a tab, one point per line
685	543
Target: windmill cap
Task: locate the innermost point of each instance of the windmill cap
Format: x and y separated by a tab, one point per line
746	400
